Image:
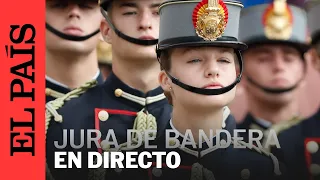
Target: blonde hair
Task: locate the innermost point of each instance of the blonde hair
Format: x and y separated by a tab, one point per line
104	52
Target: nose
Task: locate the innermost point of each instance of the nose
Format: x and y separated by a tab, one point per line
212	69
278	63
73	11
145	21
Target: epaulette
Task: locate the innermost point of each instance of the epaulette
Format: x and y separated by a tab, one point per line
276	165
54	105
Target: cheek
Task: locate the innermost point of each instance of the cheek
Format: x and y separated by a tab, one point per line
54	20
125	25
95	22
187	75
297	71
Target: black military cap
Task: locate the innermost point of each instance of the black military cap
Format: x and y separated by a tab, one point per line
105	4
200	23
313	13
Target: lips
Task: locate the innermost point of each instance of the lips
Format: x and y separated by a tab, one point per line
73	30
147	38
213	86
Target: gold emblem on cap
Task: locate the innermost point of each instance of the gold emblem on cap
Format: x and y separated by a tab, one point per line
210	18
278	21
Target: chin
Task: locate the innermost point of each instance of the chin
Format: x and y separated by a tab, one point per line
217	101
142	55
280	99
210	102
81	49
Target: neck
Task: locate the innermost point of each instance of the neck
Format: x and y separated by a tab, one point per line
184	119
72	70
271	112
140	75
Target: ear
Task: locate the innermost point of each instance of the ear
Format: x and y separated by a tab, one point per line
165	81
315	58
105	31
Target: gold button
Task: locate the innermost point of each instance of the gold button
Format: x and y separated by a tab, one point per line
245	174
118	92
156	172
103	115
104	145
315	169
312	146
172	142
48	91
223	142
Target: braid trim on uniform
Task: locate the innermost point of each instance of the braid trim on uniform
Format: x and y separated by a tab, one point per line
53	93
280	127
53	106
276	166
144	121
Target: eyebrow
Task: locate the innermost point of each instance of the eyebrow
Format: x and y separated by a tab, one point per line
222	51
261	50
135	5
190	49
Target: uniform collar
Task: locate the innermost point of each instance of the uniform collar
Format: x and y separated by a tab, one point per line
194	149
254	123
119	89
56	89
263	122
55	85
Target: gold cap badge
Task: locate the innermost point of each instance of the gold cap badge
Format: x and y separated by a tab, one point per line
210	18
277	20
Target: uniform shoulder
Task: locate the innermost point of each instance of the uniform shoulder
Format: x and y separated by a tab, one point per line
259	159
57	108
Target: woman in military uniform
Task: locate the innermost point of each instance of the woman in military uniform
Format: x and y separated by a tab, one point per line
201	65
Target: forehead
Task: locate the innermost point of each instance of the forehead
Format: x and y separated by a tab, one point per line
136	3
269	48
73	1
208	49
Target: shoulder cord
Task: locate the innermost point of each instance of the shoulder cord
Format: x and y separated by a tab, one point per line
53	106
53	93
143	121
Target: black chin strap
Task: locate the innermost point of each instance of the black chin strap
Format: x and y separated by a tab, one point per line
210	91
70	37
274	90
128	38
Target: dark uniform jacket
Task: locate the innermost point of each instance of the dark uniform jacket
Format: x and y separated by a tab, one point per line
208	162
248	123
300	149
109	106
